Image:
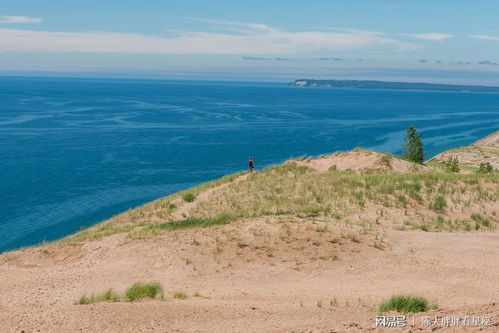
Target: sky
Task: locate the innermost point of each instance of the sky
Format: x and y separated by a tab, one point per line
412	40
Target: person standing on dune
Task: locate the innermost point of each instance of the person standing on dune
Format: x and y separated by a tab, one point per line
250	164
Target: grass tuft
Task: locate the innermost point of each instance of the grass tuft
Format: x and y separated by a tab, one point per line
188	197
107	296
480	221
438	204
180	295
404	303
141	290
197	222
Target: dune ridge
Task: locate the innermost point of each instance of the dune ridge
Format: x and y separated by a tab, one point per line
483	150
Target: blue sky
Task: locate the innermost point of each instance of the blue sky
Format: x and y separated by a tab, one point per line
441	40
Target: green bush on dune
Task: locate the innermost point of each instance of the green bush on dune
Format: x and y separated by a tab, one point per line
180	295
108	296
136	292
143	290
485	167
403	303
188	197
438	204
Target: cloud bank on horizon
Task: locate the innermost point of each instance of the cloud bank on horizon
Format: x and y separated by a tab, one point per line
191	35
238	38
9	19
433	36
486	37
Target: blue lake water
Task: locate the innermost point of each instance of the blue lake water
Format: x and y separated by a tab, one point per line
76	151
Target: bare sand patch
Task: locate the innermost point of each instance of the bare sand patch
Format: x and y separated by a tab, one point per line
360	161
274	274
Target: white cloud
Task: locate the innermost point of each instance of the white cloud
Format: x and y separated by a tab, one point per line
236	26
236	38
432	36
19	19
486	37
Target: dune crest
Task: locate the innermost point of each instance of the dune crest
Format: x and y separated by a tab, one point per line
360	160
483	150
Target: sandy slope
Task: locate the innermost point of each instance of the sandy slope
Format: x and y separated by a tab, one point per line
360	161
483	150
246	290
290	273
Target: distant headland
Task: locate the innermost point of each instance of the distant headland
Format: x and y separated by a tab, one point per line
369	84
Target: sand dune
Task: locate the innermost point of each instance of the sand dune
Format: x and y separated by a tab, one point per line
483	150
301	251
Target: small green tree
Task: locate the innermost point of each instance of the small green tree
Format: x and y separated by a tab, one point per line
485	167
413	146
452	164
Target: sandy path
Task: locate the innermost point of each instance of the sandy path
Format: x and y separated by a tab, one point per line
186	207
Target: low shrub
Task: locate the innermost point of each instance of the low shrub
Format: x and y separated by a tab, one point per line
108	296
137	291
480	221
404	303
452	164
180	295
143	290
485	167
188	197
438	204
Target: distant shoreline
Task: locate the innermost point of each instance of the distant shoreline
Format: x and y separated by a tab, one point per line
370	84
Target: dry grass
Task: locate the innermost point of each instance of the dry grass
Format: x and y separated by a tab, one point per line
151	213
289	189
136	292
344	196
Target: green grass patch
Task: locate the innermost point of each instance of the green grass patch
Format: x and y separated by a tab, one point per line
480	221
180	295
438	222
196	222
485	167
422	227
438	204
141	290
405	304
188	197
136	292
108	296
191	222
